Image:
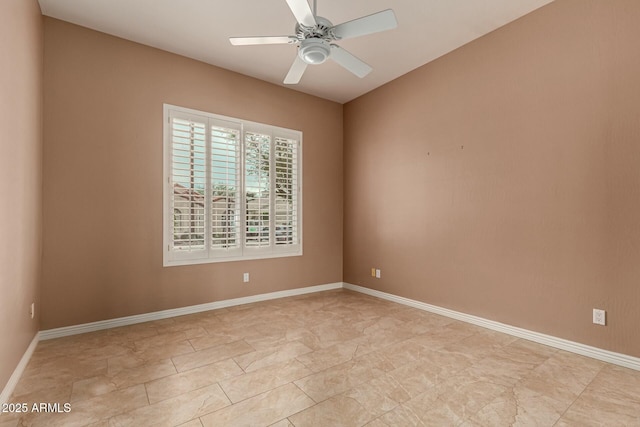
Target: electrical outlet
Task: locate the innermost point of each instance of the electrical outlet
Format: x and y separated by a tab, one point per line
32	310
599	317
377	273
245	277
373	272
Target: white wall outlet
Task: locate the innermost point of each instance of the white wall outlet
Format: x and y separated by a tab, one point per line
245	277
377	273
32	310
599	317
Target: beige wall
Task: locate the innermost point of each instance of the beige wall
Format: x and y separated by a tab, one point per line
20	177
503	179
500	180
103	179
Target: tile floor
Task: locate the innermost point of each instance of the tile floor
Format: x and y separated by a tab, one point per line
335	358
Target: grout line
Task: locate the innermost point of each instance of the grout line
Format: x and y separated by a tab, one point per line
306	394
174	367
580	395
231	403
147	393
239	367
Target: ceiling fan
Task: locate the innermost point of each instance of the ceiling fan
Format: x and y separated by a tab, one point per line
315	35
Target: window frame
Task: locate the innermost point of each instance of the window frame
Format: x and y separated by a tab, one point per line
244	252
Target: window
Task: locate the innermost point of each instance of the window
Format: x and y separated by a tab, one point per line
232	189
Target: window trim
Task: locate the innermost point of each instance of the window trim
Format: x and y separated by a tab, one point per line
169	258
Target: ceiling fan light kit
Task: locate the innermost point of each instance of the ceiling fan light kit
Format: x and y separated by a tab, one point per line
314	51
314	37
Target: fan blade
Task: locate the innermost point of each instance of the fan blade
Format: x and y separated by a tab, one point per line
244	41
302	12
350	62
381	21
295	72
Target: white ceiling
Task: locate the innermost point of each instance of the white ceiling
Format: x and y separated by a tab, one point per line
200	29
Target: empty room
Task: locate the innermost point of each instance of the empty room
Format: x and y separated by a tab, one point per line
319	213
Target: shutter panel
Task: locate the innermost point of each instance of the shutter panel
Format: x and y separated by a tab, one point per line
257	187
286	191
225	185
188	184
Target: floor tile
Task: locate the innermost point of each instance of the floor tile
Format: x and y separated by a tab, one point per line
174	411
325	358
213	340
282	423
192	423
263	358
453	400
261	410
612	398
52	373
91	387
96	409
340	378
338	411
183	382
256	382
520	406
169	337
211	355
132	359
331	358
149	371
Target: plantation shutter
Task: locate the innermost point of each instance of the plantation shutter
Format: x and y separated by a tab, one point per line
232	189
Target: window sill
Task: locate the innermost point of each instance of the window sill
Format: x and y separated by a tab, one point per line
250	257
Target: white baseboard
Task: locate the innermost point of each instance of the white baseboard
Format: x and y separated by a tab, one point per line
17	373
571	346
574	347
164	314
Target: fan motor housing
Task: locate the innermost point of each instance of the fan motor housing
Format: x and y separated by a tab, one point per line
322	30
